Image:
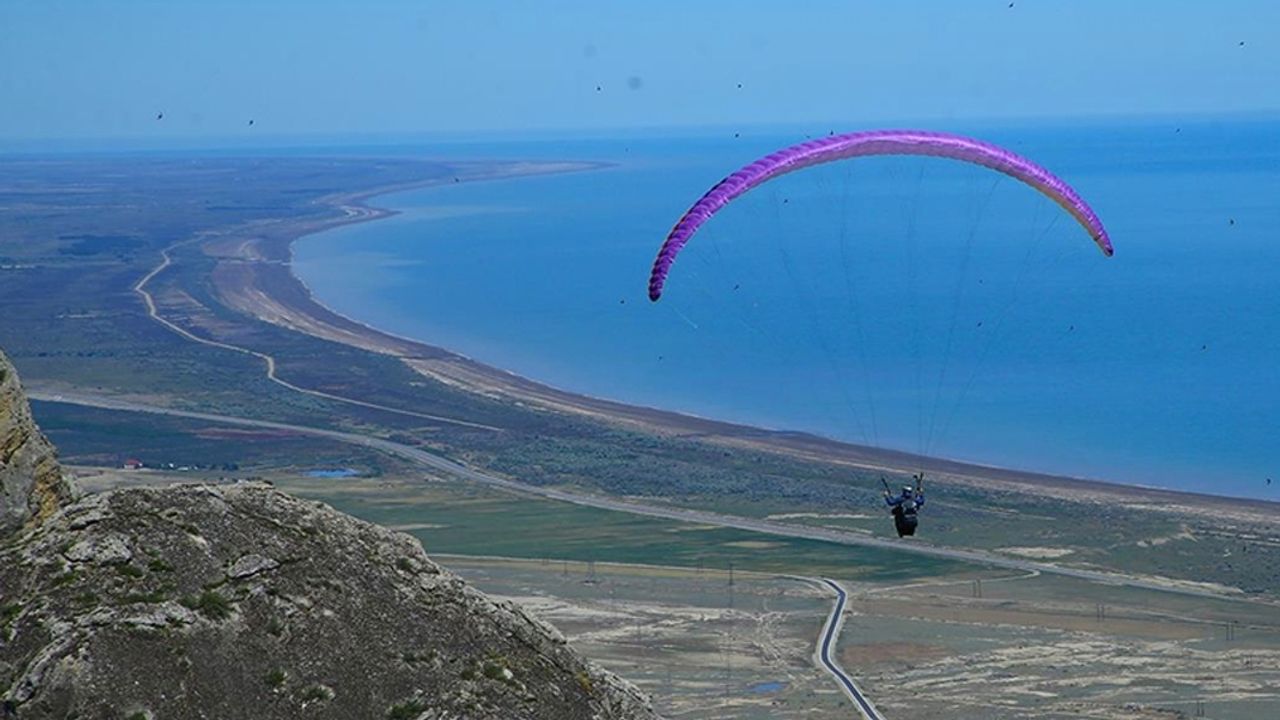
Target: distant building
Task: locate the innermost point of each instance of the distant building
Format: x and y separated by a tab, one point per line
132	464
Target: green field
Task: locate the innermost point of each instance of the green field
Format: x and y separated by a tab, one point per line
458	519
105	438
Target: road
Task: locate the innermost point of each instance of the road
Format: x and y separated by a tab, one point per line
827	642
153	311
704	517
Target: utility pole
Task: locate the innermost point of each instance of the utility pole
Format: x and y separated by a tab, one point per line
731	585
728	656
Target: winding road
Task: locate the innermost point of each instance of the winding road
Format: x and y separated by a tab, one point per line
153	311
827	642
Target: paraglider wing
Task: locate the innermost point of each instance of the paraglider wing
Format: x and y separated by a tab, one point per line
861	144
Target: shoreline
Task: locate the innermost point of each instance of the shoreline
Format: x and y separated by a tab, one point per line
255	276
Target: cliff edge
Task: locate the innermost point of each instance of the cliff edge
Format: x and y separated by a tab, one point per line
32	485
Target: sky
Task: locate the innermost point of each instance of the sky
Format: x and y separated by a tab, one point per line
97	69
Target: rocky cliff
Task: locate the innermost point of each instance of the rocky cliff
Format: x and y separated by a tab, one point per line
242	602
32	486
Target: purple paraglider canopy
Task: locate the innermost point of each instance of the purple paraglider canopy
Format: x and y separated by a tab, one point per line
859	144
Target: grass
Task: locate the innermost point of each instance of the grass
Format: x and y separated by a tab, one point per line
155	596
65	578
93	436
8	613
313	693
468	521
418	657
494	669
209	603
406	710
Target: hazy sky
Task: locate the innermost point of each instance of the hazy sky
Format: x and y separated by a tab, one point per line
101	69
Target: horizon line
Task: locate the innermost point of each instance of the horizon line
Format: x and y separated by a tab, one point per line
248	139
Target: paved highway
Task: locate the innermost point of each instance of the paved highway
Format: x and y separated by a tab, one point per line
827	642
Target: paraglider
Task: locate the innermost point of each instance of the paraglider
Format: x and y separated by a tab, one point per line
862	144
905	506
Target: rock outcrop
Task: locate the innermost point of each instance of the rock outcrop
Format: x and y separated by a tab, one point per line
238	601
32	485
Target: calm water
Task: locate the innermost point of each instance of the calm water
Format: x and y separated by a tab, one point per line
917	304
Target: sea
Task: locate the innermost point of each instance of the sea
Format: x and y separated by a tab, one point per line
918	304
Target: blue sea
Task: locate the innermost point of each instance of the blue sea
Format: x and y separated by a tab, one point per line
918	304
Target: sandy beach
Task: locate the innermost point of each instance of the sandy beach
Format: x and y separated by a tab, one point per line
253	275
